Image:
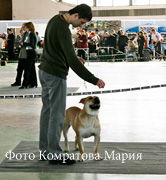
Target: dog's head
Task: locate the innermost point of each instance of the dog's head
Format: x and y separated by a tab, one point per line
91	105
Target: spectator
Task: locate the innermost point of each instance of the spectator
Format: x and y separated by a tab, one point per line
116	36
112	42
38	37
76	39
18	40
98	37
134	45
122	42
30	43
10	44
21	58
104	41
156	40
58	55
82	43
141	42
92	42
146	40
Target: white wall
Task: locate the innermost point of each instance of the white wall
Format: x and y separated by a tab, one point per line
37	9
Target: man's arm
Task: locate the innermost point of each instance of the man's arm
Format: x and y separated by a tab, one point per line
73	61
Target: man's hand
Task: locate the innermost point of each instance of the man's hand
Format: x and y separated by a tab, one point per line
100	83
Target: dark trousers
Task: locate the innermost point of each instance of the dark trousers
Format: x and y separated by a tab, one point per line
20	69
140	51
157	47
81	53
122	48
11	53
30	77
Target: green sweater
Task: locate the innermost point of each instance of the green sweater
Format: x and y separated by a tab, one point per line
59	54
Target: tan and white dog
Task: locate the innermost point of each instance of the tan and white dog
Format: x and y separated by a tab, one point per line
85	123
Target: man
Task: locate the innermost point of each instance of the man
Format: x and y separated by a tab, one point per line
156	40
122	42
10	46
58	55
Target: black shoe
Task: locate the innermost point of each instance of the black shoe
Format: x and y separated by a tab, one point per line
23	87
15	84
62	162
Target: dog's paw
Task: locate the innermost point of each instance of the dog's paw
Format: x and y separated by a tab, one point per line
98	157
82	158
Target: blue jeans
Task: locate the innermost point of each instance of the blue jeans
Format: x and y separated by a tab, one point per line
52	113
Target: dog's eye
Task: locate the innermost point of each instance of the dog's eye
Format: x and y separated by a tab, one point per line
90	98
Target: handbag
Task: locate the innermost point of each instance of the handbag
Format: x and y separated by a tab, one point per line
23	53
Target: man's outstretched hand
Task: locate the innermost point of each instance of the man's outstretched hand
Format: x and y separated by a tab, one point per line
100	83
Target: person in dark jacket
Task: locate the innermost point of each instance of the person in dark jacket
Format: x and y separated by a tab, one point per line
104	42
10	44
122	42
141	42
21	58
30	43
58	55
112	43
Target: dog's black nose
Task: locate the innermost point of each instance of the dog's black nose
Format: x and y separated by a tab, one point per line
97	100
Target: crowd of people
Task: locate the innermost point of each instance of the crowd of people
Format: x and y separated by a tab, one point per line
118	42
27	41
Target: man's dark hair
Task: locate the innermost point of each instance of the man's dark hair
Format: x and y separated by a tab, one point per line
83	10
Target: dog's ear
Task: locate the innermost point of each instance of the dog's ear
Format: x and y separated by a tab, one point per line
82	100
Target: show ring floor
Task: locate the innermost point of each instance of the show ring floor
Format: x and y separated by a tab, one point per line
125	117
118	158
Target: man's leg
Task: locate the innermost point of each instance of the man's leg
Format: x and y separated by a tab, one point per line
44	117
53	111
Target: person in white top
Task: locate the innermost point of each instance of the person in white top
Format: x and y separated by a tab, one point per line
156	40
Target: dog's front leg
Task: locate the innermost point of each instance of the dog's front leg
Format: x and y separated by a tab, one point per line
80	145
76	144
96	147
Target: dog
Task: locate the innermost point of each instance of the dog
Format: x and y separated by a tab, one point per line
85	123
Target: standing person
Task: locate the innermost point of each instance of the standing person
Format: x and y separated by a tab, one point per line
141	42
146	40
30	43
112	43
98	36
58	55
156	40
21	58
10	44
104	42
38	37
115	41
122	42
82	43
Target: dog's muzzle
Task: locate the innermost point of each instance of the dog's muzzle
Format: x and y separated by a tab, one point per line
96	104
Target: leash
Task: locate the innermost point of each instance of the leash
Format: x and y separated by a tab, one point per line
85	93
